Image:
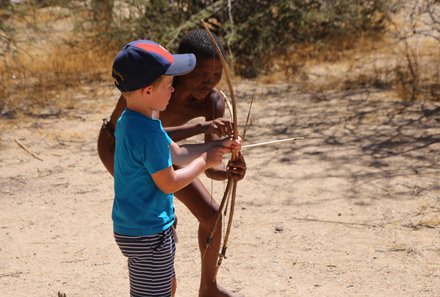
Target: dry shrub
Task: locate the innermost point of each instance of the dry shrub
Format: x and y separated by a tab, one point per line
252	30
403	59
42	53
417	31
32	80
334	63
418	75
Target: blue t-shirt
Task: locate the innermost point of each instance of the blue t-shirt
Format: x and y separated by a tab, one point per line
142	148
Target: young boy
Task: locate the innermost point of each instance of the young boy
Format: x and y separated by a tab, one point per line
144	178
194	97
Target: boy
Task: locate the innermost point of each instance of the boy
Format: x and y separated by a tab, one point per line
194	97
144	178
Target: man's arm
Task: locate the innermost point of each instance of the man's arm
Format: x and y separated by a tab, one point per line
106	138
215	108
220	127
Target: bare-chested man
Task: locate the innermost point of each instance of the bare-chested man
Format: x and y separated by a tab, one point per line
194	96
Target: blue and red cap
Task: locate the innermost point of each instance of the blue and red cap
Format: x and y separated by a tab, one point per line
142	62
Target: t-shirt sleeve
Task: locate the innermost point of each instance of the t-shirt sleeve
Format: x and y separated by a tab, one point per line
157	154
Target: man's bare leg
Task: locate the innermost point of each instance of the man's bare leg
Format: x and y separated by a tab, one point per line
198	200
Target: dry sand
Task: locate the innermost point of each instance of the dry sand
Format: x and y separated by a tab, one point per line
355	212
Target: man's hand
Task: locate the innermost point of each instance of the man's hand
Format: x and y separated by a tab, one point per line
221	127
237	168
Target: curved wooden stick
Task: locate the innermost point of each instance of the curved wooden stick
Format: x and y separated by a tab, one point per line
217	218
228	229
228	80
231	181
228	104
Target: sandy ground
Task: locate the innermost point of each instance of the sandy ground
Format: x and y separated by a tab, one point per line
354	212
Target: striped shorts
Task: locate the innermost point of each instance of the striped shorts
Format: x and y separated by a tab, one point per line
150	262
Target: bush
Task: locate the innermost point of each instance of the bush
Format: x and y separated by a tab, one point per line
267	27
253	30
256	29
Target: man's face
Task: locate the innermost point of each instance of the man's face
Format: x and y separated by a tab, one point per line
205	76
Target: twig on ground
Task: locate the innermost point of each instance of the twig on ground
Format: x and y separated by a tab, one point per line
337	222
27	150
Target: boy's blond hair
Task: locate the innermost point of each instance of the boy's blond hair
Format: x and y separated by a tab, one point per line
154	84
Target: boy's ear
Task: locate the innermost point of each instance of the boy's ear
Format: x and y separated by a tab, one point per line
148	90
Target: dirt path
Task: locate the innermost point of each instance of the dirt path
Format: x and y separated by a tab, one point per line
355	212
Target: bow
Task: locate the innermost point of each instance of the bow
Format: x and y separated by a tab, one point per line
231	187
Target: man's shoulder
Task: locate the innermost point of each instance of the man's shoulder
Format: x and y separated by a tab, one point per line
215	96
214	104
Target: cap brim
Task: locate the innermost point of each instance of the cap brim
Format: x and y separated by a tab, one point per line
182	64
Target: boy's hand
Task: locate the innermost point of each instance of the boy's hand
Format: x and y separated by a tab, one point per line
220	127
233	144
214	156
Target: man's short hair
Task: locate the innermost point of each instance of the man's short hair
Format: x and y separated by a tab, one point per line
198	42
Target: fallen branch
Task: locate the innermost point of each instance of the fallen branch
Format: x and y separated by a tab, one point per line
27	150
337	222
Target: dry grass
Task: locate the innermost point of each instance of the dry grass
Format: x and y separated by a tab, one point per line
31	80
48	56
60	58
300	62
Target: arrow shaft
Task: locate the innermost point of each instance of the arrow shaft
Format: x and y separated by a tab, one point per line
275	141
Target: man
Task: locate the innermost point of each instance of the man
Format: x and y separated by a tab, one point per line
194	96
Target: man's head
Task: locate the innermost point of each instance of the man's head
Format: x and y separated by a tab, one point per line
142	62
198	42
208	71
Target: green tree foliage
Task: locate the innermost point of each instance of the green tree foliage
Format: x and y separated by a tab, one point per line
255	30
265	27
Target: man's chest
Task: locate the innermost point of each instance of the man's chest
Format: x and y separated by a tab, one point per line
176	115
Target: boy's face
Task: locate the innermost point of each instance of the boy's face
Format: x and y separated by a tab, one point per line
162	93
205	76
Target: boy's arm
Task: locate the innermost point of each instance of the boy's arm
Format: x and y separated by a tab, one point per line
185	154
179	133
106	139
169	180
